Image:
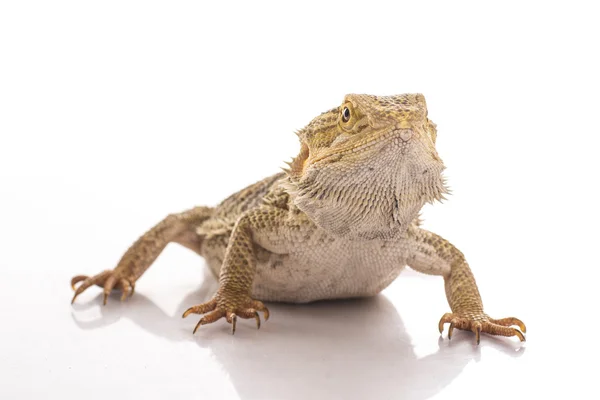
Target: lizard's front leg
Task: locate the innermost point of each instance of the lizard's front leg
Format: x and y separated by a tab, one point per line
233	298
436	256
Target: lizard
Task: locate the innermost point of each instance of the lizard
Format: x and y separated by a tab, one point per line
341	221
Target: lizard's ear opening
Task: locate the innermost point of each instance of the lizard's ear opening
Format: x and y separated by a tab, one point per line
298	164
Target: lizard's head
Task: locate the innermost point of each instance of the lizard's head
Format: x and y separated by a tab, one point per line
367	167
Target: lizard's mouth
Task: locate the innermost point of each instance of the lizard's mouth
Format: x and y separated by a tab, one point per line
385	136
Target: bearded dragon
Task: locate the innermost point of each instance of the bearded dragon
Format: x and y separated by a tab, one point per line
341	222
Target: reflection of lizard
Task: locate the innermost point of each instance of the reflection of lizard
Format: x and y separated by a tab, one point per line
341	222
369	329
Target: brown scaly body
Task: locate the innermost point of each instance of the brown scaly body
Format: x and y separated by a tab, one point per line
341	222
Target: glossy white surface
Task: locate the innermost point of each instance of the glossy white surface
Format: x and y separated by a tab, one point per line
386	347
114	115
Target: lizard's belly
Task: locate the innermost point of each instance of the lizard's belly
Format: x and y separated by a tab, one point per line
328	269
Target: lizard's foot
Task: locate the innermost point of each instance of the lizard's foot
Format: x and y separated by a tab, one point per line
222	306
108	280
482	323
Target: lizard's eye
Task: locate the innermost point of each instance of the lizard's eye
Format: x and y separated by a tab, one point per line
346	114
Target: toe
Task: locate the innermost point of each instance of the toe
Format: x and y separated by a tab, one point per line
259	306
77	279
499	330
232	319
510	322
454	323
210	318
201	308
476	328
87	282
250	313
444	320
108	286
126	287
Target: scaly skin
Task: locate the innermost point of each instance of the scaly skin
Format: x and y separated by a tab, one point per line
341	222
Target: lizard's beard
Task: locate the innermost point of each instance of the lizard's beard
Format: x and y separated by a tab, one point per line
370	195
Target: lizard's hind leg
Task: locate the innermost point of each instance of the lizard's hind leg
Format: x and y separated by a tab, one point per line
179	228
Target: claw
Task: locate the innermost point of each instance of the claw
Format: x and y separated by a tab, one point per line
257	317
233	322
478	333
201	322
450	330
520	335
77	279
445	318
521	325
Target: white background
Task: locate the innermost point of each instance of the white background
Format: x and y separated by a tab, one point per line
115	113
